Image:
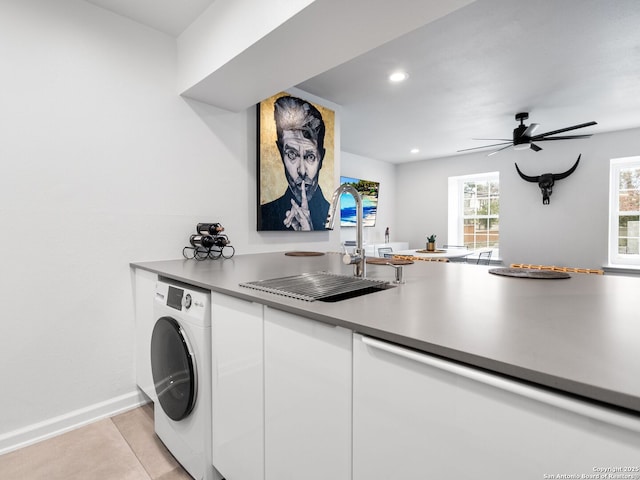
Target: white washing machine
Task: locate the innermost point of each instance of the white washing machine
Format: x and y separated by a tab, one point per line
181	370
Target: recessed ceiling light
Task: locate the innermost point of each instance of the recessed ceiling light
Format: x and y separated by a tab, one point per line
398	77
415	150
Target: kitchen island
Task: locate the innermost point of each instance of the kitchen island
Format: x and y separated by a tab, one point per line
580	335
573	340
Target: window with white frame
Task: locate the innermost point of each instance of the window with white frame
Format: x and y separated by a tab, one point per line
624	212
474	210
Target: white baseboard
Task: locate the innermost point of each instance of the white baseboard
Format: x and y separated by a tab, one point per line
69	421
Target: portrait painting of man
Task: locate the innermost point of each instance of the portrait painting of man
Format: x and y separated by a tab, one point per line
295	163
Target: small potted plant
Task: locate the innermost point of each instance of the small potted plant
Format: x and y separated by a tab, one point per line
431	243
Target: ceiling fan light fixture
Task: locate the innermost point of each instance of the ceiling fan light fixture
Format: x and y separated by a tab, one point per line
524	138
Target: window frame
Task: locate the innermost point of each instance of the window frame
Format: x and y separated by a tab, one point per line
617	259
456	206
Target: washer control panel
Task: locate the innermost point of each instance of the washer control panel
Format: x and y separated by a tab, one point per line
192	302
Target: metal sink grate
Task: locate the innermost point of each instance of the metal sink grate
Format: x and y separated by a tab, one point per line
317	286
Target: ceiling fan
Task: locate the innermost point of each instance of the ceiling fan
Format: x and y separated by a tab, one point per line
523	136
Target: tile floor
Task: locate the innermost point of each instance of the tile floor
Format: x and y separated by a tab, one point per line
123	447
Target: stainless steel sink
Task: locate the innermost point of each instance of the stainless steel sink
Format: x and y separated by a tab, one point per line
323	286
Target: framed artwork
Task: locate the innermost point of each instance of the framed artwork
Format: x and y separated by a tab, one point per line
296	141
368	190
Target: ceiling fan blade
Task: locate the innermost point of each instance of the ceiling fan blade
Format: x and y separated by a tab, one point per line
535	148
499	150
530	129
575	127
501	139
565	137
485	146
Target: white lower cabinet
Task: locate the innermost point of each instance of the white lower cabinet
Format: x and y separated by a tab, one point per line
237	388
307	399
416	416
298	399
144	290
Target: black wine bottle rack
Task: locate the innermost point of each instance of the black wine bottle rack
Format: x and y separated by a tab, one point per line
208	243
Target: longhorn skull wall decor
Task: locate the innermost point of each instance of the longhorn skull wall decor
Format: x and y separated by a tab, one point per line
547	180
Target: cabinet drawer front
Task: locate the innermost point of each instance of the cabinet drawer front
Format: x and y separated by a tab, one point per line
414	413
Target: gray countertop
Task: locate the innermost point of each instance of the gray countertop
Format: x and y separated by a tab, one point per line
579	335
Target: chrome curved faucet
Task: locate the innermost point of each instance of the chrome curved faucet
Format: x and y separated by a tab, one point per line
356	259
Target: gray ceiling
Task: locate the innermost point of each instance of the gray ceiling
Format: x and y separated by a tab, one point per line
564	61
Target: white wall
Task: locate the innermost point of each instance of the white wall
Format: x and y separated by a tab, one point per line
375	170
570	231
102	164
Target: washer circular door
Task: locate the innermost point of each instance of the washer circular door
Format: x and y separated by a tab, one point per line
173	368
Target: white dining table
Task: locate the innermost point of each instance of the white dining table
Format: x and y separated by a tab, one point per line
437	253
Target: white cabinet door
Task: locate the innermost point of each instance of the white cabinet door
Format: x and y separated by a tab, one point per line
307	399
144	290
237	388
417	416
